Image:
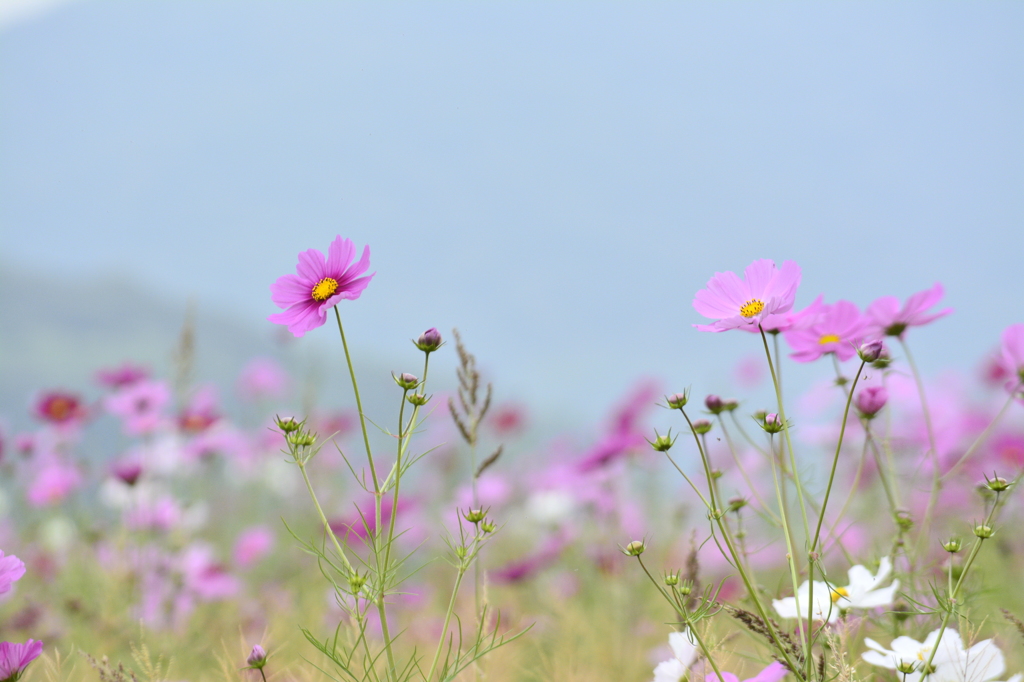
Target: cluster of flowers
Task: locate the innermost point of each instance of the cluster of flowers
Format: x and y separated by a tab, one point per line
14	658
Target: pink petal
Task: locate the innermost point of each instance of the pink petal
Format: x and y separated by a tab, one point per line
339	255
311	266
759	275
290	290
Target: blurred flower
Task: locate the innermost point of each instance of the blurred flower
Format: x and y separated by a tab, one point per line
128	471
53	483
206	577
11	570
319	285
202	411
60	407
122	376
262	379
981	663
774	672
527	567
887	318
863	592
820	328
14	658
684	653
871	399
252	545
1013	354
736	303
139	405
507	419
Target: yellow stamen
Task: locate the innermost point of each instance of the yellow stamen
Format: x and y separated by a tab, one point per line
325	288
751	307
828	338
839	593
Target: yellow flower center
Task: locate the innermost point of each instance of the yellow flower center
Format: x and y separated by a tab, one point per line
839	593
325	288
828	338
751	307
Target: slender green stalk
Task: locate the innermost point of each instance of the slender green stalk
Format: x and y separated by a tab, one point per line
323	518
743	472
933	496
984	435
359	405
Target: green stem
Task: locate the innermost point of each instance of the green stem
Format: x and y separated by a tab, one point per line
932	449
984	435
323	518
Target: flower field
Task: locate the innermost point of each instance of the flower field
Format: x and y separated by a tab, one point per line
864	529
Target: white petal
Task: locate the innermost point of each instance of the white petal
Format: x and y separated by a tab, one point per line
669	671
683	648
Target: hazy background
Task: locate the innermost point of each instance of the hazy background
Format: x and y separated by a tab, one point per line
557	180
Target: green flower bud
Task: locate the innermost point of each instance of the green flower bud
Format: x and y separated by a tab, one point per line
662	443
984	532
417	399
997	484
952	545
678	400
635	548
406	381
288	425
475	515
488	527
701	426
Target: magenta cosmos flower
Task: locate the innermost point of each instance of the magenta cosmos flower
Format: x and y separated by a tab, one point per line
11	570
318	285
887	318
821	328
736	303
14	658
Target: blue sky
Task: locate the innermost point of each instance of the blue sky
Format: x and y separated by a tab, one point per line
555	179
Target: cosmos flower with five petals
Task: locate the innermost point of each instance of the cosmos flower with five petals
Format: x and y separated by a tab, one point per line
734	303
887	318
318	285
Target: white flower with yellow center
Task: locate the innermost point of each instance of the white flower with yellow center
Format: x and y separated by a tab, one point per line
863	592
983	662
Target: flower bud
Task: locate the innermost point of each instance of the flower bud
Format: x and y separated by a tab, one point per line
288	425
488	527
714	404
737	503
771	423
635	548
884	360
672	579
475	515
730	404
356	582
257	658
871	400
686	587
406	381
904	521
984	532
997	484
461	551
662	443
760	415
429	340
701	426
906	667
871	351
302	438
678	400
952	545
418	399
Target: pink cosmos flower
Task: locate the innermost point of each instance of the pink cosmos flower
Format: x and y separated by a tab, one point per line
736	303
201	412
821	328
1013	354
887	318
204	576
11	570
122	376
60	407
262	378
871	400
53	483
14	658
318	286
139	405
773	673
252	545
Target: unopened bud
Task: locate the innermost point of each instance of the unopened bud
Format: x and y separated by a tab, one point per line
672	579
302	439
952	545
737	503
984	532
406	381
714	404
662	443
635	548
906	667
417	399
730	404
678	400
488	527
871	351
997	484
288	425
871	400
771	423
475	515
257	658
701	426
461	551
686	587
429	340
356	582
903	520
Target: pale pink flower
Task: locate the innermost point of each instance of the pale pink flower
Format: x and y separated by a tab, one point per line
820	329
1013	354
204	576
736	303
252	545
202	411
122	376
139	405
262	379
773	673
887	318
53	483
319	285
11	570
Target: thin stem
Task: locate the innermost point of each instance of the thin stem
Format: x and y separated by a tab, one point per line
323	518
743	472
984	435
932	449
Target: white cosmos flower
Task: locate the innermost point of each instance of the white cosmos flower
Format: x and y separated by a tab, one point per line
863	592
684	654
983	662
